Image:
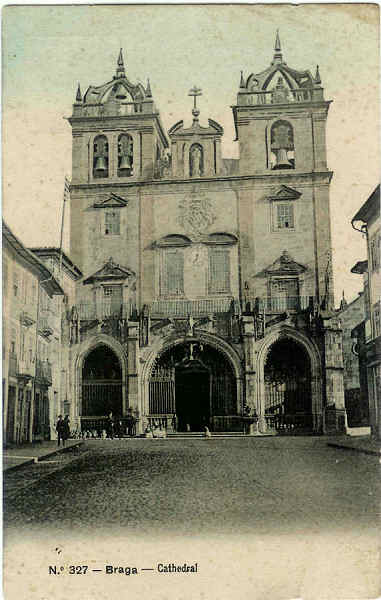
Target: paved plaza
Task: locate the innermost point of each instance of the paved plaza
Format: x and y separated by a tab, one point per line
268	485
275	518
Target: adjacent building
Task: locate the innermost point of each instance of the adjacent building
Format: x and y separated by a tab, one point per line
31	335
207	291
352	317
367	222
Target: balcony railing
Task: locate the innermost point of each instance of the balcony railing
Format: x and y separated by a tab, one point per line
44	371
27	318
279	304
197	308
13	365
91	311
46	325
267	97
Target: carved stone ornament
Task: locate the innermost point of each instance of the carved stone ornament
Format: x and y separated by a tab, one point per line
196	213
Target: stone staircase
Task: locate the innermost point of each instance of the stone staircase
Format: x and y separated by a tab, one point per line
190	435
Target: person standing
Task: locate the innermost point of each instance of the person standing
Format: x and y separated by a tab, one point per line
66	429
60	429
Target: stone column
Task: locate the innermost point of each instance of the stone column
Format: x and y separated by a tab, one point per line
132	399
335	413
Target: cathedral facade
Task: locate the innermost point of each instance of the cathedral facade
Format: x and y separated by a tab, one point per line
207	293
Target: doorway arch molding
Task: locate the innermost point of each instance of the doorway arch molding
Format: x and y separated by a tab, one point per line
284	332
84	350
214	341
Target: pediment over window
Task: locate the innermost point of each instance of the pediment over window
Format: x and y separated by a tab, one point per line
223	239
284	193
285	265
110	272
112	201
174	241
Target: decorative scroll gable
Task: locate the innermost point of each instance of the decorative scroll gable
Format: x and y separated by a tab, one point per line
113	201
110	272
285	265
285	193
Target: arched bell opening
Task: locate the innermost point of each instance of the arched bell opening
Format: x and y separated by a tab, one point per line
282	150
125	155
193	385
288	389
100	157
101	383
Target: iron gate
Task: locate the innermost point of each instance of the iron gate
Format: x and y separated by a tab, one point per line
99	398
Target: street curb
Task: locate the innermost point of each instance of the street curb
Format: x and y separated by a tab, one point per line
21	464
35	459
354	449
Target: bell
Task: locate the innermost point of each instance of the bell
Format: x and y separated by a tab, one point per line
125	162
120	93
100	164
282	161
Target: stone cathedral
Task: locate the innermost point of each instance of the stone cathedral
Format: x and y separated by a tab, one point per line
207	294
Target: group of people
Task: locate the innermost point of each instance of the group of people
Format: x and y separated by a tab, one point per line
62	429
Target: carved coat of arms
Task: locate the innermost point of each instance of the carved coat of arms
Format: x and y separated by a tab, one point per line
196	213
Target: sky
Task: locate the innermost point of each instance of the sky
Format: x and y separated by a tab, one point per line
47	50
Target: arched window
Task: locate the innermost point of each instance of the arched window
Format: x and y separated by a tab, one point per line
100	157
125	155
196	160
282	146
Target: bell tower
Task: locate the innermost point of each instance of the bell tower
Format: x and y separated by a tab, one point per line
280	119
117	132
117	138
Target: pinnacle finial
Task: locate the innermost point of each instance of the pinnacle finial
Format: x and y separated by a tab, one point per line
277	42
120	68
242	82
277	47
78	97
317	76
148	89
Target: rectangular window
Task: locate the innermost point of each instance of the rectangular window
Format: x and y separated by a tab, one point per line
112	223
173	273
5	276
376	320
375	252
107	291
219	271
15	283
284	294
284	215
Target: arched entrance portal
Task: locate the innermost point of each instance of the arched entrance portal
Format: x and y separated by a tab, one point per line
193	385
288	394
101	383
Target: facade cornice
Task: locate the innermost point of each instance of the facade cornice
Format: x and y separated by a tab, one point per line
318	177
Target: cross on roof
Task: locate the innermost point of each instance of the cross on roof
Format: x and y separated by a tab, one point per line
195	91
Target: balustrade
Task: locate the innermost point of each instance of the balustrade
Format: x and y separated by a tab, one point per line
13	365
279	304
91	311
267	97
44	371
197	308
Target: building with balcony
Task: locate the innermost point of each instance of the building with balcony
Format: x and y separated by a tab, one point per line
367	222
28	286
53	360
352	318
207	292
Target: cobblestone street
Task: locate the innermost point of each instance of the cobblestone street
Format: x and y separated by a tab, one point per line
289	517
192	486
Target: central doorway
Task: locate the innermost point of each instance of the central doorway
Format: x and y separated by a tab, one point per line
192	385
192	389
